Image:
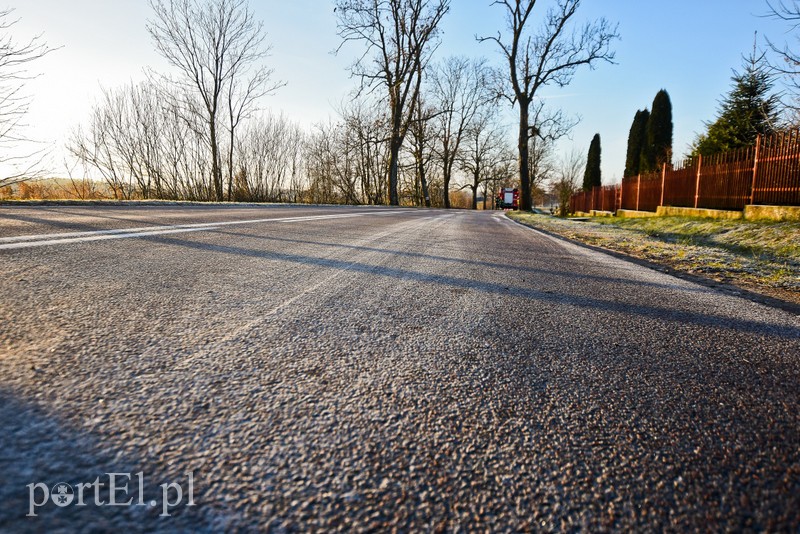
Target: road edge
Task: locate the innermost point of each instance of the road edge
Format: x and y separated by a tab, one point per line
723	287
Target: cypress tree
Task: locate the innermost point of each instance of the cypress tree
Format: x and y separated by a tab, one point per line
636	139
658	148
591	176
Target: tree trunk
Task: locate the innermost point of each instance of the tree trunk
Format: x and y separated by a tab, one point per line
524	171
394	155
477	183
425	192
423	182
447	174
230	168
395	143
216	172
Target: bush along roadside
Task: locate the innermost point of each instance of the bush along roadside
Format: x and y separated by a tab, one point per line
758	256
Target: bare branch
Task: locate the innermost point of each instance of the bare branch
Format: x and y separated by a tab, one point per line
399	37
216	48
548	56
20	161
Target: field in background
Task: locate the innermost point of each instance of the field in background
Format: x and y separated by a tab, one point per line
57	189
66	189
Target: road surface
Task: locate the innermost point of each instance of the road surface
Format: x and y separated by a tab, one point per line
321	368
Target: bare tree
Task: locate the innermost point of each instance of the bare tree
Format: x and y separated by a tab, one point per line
422	150
267	156
547	127
484	151
328	164
345	160
94	147
400	36
141	146
242	94
81	188
550	56
567	180
215	45
14	103
460	88
366	134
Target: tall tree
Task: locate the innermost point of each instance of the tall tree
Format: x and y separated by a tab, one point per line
748	110
460	89
637	137
549	56
421	133
248	83
591	176
212	44
366	127
658	146
400	36
484	151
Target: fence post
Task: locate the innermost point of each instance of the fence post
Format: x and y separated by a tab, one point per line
755	171
638	189
663	181
697	184
621	188
594	198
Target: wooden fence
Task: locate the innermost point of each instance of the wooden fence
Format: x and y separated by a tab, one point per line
767	174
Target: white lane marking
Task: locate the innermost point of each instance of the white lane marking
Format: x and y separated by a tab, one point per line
38	240
99	238
72	235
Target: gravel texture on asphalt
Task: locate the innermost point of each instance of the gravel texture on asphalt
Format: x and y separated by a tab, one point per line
402	370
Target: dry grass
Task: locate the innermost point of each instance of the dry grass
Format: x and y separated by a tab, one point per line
56	189
759	256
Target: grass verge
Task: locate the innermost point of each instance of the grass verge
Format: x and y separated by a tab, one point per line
754	255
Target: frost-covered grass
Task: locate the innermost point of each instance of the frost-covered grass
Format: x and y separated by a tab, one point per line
770	239
754	254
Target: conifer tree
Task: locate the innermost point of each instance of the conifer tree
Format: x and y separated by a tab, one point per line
591	176
748	110
637	137
658	147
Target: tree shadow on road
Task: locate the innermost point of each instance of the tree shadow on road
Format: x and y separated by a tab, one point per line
509	290
462	261
37	447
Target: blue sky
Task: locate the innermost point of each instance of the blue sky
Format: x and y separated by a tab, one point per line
687	48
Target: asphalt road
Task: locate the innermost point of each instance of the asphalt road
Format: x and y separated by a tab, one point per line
374	368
